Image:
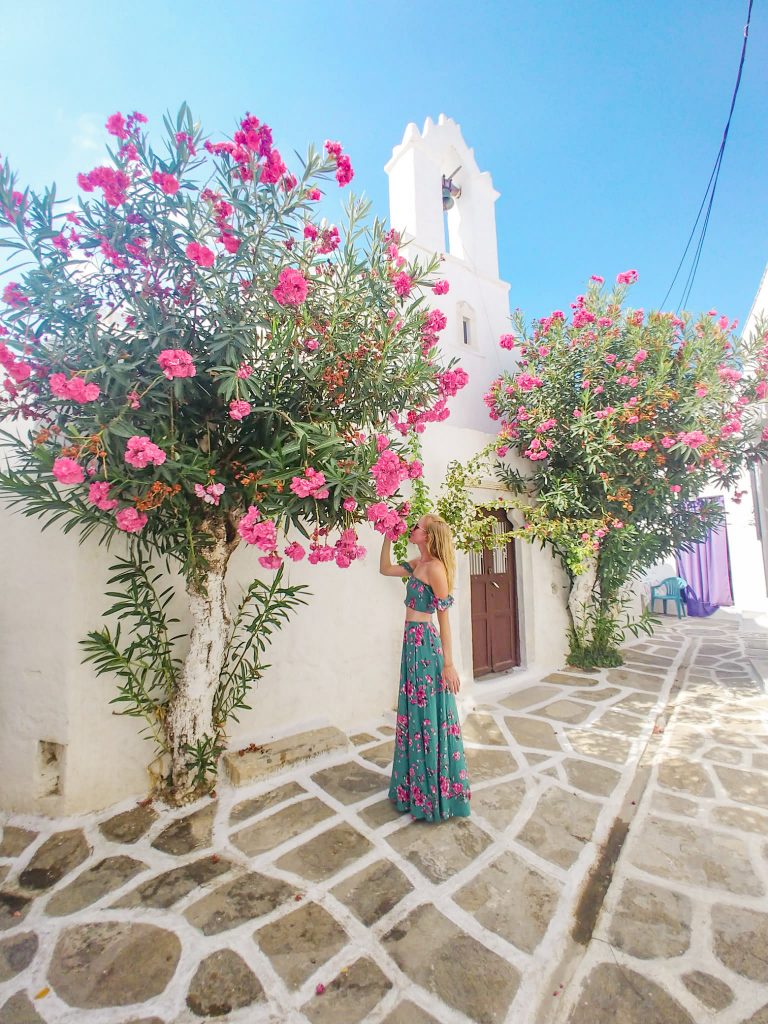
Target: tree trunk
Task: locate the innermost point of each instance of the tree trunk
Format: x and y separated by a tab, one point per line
190	713
580	600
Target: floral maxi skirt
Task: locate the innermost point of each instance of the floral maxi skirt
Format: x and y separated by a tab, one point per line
429	773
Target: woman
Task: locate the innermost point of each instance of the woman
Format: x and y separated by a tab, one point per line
429	773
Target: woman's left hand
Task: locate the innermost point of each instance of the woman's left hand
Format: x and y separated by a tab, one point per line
451	679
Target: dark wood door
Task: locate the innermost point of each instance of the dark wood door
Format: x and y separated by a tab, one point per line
495	638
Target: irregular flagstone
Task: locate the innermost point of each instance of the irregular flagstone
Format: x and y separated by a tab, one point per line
513	899
709	990
634	680
529	696
15	841
436	954
685	777
192	832
486	763
129	826
326	854
636	703
592	778
615	994
20	1010
349	782
244	898
573	677
760	761
500	803
374	891
387	730
381	755
409	1013
482	729
559	827
439	851
16	954
58	855
92	884
650	921
168	888
741	818
565	711
300	942
112	963
617	721
671	849
601	746
740	940
380	813
14	907
351	996
725	756
223	982
732	737
596	695
248	808
291	821
654	660
360	738
668	803
276	756
532	732
744	787
760	1017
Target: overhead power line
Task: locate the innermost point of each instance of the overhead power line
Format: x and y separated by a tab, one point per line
709	194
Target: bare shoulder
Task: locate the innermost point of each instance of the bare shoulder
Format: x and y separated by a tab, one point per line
436	575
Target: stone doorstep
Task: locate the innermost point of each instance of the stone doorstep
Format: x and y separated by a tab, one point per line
267	759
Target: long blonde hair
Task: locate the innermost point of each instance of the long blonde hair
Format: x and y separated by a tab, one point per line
440	544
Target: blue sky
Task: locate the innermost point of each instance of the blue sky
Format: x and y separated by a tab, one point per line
599	121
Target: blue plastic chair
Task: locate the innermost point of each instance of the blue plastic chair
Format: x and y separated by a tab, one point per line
670	589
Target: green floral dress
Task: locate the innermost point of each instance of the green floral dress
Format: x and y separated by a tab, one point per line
429	773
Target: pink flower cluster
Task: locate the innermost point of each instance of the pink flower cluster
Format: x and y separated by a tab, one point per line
402	283
130	520
210	493
262	533
692	438
67	471
390	522
200	254
291	289
450	382
344	172
17	369
98	495
239	409
311	485
253	153
627	277
507	341
343	552
167	182
114	184
390	470
141	452
440	287
13	296
175	362
640	445
75	388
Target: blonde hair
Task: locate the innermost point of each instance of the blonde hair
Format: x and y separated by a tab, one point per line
440	544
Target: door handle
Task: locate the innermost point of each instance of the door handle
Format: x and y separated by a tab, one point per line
495	584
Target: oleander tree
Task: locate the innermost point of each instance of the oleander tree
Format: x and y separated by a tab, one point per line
623	421
193	360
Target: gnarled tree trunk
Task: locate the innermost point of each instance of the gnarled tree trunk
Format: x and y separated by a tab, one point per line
190	713
580	601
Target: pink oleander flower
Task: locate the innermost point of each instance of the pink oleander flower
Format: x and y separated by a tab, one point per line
67	471
167	183
440	287
349	505
597	279
200	254
141	452
633	419
701	391
257	531
311	232
239	409
507	341
311	485
728	375
314	194
667	442
627	277
114	184
273	561
675	488
210	494
13	296
450	382
175	362
640	445
344	172
291	289
543	351
98	495
389	471
333	149
75	389
639	356
415	470
311	345
761	391
244	371
133	399
230	243
402	284
130	520
116	126
692	438
527	383
295	552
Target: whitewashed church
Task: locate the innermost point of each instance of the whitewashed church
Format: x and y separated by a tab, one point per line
63	747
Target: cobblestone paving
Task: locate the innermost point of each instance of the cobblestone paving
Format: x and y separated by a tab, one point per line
614	868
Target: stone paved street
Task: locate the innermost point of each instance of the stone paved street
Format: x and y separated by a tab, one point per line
614	869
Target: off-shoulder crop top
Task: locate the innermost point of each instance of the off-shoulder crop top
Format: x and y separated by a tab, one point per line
420	597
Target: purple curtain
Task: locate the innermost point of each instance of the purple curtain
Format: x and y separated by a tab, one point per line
706	568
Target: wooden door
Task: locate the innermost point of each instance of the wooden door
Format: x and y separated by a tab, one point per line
495	642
